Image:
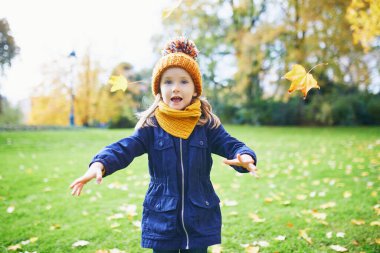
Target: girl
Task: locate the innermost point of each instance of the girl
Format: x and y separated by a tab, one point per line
179	132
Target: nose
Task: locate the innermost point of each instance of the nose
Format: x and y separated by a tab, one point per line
175	87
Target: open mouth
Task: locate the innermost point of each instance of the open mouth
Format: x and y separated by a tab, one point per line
176	99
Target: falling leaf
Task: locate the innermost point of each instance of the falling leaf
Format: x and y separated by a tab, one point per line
338	248
305	236
301	80
357	222
80	243
118	83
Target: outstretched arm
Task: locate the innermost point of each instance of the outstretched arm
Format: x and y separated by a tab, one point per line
245	161
96	170
237	154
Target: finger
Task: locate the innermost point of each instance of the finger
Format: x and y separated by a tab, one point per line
74	183
253	170
74	190
99	176
239	158
78	189
81	179
231	162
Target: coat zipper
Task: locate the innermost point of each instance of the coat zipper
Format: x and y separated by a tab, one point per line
183	195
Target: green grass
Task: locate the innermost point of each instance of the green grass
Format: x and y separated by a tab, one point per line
318	164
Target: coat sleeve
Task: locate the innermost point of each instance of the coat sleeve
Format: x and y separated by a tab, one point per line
120	154
223	144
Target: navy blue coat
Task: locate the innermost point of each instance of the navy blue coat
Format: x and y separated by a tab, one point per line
181	208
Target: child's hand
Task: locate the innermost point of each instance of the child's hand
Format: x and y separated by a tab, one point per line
95	171
245	161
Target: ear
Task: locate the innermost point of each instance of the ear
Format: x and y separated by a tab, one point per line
195	95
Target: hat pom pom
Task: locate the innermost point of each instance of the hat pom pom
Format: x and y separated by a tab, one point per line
181	44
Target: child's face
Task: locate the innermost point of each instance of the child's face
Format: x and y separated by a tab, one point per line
177	88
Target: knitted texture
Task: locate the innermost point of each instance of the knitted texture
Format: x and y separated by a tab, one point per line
179	123
180	60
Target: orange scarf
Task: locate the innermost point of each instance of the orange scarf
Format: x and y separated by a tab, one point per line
179	123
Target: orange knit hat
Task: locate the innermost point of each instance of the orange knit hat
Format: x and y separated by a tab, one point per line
178	52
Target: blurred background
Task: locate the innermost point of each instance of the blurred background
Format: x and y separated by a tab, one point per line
57	56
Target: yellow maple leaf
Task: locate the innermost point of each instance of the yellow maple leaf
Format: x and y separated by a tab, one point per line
118	83
301	80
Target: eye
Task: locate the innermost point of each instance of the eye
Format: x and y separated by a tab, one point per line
184	81
168	82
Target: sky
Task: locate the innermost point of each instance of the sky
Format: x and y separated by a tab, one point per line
113	30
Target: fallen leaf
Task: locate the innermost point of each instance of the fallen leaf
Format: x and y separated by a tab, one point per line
305	236
261	243
115	216
14	247
301	197
117	251
357	222
340	234
80	243
216	248
347	194
230	203
319	216
55	227
280	238
338	248
10	209
375	223
328	205
137	223
256	218
329	234
377	209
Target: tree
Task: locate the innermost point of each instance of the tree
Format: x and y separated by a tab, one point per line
8	50
364	17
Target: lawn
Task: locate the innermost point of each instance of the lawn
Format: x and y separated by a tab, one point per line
319	187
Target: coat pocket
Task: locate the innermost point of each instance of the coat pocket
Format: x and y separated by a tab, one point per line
205	214
160	215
